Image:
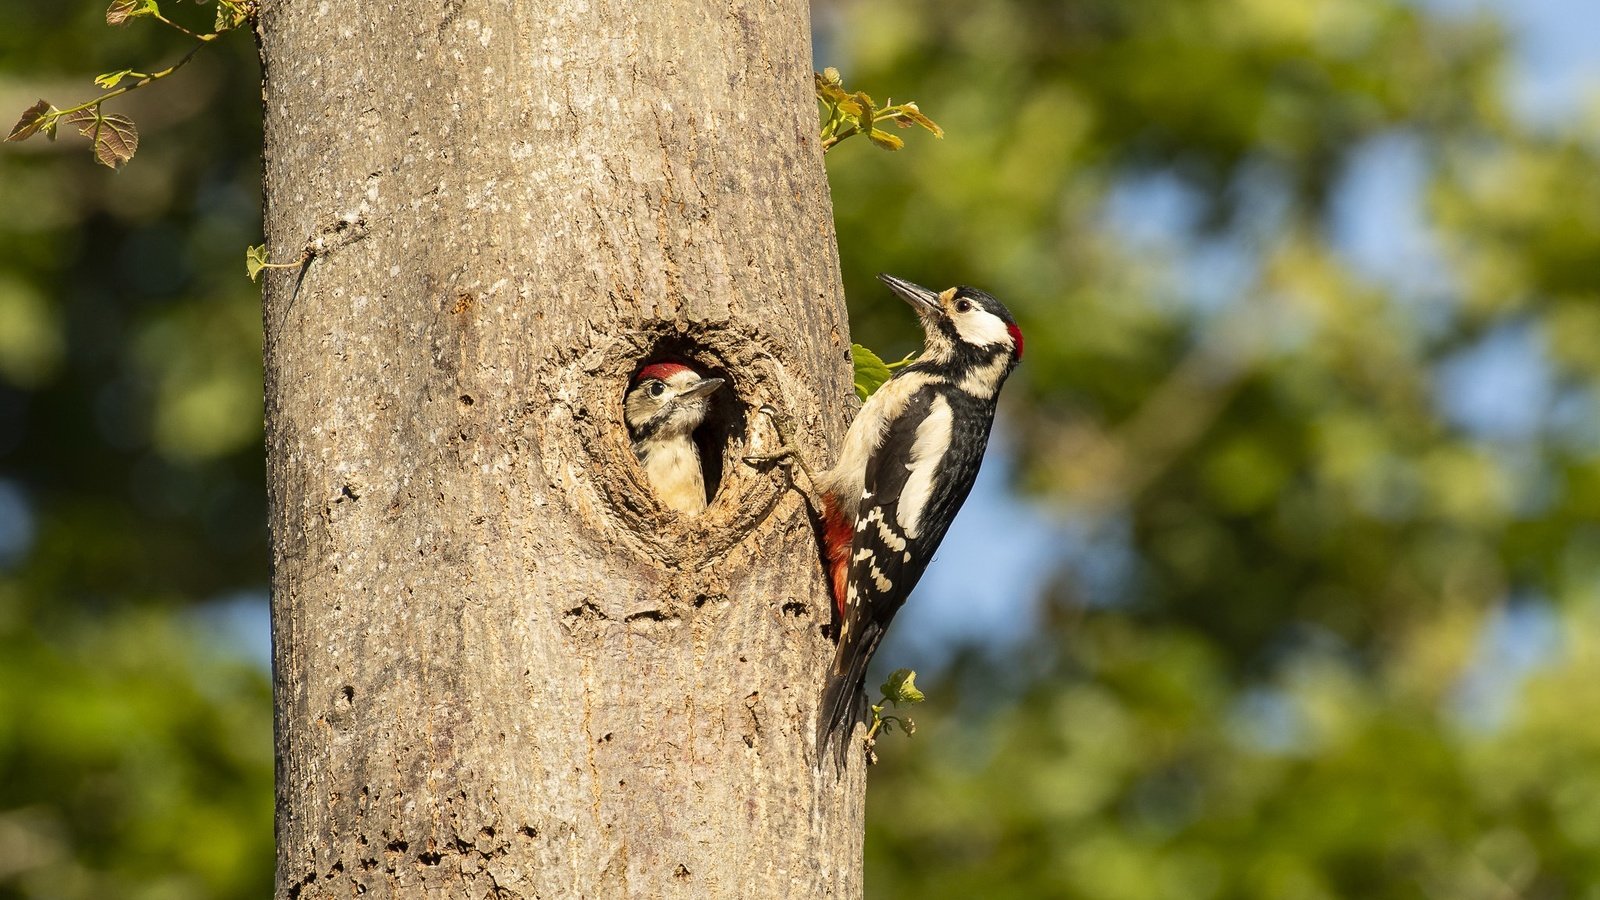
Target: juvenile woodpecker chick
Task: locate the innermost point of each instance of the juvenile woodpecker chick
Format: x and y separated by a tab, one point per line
908	462
663	407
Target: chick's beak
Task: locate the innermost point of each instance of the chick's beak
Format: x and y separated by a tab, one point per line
924	301
702	388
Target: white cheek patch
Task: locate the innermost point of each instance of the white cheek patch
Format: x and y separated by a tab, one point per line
981	328
933	439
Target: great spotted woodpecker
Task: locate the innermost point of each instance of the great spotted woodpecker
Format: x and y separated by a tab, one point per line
662	408
908	462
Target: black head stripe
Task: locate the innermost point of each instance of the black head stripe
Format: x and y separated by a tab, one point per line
987	301
648	427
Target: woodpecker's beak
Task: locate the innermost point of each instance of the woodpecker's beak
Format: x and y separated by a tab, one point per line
924	301
702	388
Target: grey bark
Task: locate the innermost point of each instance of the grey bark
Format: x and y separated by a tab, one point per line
502	668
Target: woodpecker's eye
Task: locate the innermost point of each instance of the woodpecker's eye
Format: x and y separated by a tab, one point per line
656	389
963	306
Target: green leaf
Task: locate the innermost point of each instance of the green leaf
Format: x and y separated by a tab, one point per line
909	114
871	372
902	688
885	140
115	138
110	79
40	115
828	88
121	11
230	15
255	259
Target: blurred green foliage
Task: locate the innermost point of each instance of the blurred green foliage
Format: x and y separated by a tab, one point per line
1346	646
1339	634
135	738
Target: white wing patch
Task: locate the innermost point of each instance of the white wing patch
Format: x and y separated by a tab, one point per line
886	533
933	439
845	480
881	582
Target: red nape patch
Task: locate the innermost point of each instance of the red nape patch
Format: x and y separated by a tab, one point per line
837	533
1016	338
660	371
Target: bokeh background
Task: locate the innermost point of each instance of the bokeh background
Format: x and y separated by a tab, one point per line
1282	579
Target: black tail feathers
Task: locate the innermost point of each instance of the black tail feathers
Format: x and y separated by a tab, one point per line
843	702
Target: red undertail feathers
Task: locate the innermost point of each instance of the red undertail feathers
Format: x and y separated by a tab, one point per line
837	532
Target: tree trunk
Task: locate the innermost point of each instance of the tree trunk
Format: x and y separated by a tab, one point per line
503	669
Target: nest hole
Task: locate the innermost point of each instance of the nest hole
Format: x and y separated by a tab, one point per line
719	433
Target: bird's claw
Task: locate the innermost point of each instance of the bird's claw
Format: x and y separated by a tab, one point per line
786	453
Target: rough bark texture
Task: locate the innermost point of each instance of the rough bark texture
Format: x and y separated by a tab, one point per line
503	669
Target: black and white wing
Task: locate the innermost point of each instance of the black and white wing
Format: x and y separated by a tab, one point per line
915	483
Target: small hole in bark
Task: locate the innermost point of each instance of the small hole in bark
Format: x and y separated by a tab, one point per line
466	400
723	415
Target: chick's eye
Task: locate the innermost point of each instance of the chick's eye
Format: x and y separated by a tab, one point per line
963	306
657	389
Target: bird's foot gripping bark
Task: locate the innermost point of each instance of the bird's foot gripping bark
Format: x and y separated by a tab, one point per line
787	453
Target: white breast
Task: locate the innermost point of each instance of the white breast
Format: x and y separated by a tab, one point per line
674	470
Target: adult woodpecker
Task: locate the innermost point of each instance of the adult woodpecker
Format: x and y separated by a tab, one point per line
908	462
665	404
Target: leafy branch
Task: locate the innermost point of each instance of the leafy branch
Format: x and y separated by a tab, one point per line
871	372
255	259
115	138
846	113
901	688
